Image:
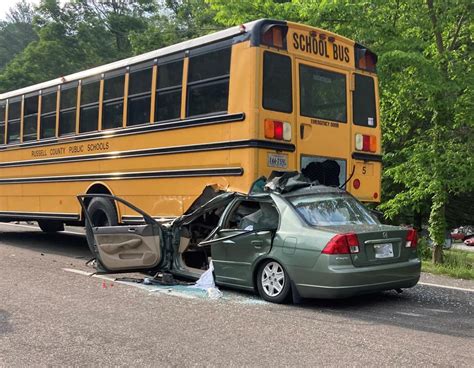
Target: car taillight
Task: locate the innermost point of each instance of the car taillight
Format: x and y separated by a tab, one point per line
275	129
366	143
342	244
412	239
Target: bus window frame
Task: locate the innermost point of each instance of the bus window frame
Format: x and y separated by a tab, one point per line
137	68
66	87
224	78
329	69
376	105
89	105
3	120
113	101
169	89
16	99
37	114
46	92
292	81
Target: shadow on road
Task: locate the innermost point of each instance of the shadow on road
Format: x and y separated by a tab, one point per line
69	245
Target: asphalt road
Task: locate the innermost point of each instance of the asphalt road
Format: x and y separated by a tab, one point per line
52	316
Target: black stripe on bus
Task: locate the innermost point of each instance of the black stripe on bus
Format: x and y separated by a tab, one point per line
366	157
226	171
250	143
139	129
39	215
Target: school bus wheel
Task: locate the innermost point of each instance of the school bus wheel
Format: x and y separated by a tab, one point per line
51	226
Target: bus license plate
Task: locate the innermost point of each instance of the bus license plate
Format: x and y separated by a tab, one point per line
276	160
383	250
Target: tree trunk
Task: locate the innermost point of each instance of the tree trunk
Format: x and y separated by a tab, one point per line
437	223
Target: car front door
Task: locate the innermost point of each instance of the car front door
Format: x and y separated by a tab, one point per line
246	234
126	247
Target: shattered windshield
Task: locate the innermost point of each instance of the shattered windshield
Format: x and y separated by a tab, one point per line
327	210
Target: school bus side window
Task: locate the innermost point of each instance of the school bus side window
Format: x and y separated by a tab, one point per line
14	114
277	90
3	110
67	112
139	95
112	115
30	118
48	113
168	93
208	82
89	113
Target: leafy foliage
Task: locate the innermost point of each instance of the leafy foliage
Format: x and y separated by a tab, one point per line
425	74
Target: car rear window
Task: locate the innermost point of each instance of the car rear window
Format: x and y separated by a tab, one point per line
330	210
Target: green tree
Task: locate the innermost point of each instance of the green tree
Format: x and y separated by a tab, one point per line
16	32
426	79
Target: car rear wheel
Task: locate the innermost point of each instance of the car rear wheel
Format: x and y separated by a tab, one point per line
273	283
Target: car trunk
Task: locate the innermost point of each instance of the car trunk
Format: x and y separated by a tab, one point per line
378	244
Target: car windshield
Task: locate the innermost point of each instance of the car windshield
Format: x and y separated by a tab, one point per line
327	210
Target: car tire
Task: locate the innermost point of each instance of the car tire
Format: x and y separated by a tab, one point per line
273	282
102	212
51	226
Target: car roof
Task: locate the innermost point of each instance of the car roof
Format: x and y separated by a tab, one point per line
314	189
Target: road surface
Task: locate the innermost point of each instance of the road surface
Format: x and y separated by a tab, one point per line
53	314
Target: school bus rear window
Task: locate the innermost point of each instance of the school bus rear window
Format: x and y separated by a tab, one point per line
323	94
364	101
277	93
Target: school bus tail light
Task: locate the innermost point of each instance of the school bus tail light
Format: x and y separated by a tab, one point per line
274	35
279	130
366	143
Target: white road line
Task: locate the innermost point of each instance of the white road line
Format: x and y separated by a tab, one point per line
410	314
446	287
37	228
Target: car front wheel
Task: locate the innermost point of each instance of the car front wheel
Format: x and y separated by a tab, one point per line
273	283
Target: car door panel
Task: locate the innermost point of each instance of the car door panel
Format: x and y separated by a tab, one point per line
233	258
128	247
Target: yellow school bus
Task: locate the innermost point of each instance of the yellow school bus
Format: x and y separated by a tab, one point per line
222	109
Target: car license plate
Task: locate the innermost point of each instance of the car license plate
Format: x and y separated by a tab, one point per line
383	250
277	160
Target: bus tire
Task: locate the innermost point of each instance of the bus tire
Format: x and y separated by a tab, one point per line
102	212
51	226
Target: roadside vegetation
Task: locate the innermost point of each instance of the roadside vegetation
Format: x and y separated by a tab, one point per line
425	77
457	263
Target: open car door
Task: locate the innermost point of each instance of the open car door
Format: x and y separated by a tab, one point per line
126	247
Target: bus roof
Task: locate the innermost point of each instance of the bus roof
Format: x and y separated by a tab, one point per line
251	30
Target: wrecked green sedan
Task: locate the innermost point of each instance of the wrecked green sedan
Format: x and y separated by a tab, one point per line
310	241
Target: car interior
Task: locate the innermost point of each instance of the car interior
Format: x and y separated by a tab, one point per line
246	215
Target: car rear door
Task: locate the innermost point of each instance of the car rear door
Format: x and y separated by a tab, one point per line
127	247
245	234
234	253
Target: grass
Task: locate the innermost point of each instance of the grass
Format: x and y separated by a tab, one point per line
457	263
